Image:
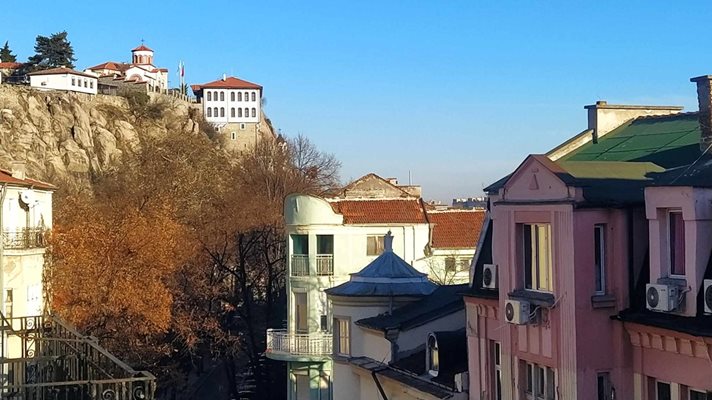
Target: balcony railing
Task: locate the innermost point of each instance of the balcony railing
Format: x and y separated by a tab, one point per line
280	341
28	238
300	264
324	264
43	358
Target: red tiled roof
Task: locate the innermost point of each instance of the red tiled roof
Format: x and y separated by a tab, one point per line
6	177
142	48
231	83
114	66
380	211
60	71
456	229
10	65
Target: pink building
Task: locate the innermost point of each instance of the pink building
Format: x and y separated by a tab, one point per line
590	274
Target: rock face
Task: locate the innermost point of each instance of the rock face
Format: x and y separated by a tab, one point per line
74	136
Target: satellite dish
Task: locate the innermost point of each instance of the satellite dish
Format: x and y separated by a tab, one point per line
26	196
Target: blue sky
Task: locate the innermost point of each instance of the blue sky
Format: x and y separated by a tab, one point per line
455	92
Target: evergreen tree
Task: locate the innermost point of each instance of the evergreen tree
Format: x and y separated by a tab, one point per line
6	54
51	52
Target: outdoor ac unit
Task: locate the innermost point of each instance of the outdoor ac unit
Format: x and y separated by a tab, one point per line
661	297
708	296
516	312
489	276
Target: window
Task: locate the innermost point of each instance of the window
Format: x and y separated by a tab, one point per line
242	126
239	96
662	390
374	246
247	112
433	356
325	244
603	382
233	135
85	83
232	97
697	395
8	303
247	96
210	97
222	96
536	239
210	112
253	96
676	242
301	312
497	361
541	383
450	264
599	249
91	84
232	112
464	264
342	342
239	112
74	82
222	111
254	112
215	111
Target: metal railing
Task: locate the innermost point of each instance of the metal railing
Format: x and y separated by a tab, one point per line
300	264
43	358
299	344
28	238
325	264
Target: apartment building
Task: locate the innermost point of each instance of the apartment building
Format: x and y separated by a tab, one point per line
593	264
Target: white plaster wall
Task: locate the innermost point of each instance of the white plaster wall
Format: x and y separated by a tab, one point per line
228	104
63	82
364	343
348	385
412	338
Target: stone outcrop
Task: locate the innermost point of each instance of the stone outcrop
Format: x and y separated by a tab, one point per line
74	136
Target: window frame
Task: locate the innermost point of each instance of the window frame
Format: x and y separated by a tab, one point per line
657	389
222	96
232	112
209	96
599	258
254	97
232	96
338	338
254	112
379	243
209	112
540	382
433	356
533	273
670	244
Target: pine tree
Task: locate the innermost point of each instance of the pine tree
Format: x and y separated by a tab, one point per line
53	51
6	54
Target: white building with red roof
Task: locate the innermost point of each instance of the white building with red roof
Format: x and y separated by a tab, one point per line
140	71
331	237
65	79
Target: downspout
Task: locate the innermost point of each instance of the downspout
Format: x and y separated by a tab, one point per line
631	258
378	385
392	336
3	350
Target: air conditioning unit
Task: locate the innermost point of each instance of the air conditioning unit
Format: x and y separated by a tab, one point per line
489	276
659	297
707	294
517	312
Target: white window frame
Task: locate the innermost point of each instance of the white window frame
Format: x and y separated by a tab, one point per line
665	383
536	267
380	243
339	323
532	374
599	231
497	362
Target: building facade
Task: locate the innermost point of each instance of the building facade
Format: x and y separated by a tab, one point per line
140	72
581	250
328	239
63	79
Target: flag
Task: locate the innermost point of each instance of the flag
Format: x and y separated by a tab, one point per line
182	69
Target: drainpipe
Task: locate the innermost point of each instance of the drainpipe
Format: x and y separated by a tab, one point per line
378	385
631	258
2	262
392	336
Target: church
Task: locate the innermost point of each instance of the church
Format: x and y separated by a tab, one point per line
141	71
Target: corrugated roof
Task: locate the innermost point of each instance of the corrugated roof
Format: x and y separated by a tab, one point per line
396	211
456	229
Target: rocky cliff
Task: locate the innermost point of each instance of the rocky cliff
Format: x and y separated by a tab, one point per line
65	135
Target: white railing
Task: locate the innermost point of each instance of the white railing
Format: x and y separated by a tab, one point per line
325	264
298	344
300	264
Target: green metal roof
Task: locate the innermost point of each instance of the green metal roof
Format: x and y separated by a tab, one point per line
668	141
610	169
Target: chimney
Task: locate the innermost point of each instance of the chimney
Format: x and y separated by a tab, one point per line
704	102
224	77
392	181
17	169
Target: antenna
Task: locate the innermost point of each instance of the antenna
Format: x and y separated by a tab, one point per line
410	181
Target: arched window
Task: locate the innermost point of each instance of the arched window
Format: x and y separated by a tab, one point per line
210	96
247	96
253	96
239	112
74	82
210	110
433	356
215	111
232	97
232	112
222	111
234	135
247	112
254	112
239	96
222	96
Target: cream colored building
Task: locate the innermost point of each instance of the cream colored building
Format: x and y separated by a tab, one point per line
328	239
65	79
140	71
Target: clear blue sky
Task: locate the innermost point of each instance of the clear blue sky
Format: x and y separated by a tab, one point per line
457	93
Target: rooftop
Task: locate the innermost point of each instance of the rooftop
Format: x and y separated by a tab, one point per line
456	229
60	71
230	83
6	177
373	211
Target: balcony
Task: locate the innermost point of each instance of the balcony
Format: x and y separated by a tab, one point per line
28	238
289	346
44	358
300	265
325	264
